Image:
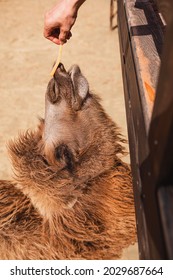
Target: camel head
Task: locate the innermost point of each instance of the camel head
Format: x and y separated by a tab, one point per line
65	129
77	133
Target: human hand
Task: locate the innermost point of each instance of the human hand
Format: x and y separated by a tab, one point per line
60	19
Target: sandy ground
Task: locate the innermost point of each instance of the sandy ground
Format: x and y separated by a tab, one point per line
26	59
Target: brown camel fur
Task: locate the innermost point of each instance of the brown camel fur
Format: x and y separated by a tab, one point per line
71	196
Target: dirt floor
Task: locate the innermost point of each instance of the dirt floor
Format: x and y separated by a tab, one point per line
26	59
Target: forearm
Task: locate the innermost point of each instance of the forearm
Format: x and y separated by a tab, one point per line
74	4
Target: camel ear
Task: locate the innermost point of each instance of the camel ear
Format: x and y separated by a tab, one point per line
81	86
64	155
81	89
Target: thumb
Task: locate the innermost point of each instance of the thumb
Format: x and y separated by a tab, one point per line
64	35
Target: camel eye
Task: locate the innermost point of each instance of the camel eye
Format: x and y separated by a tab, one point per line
45	161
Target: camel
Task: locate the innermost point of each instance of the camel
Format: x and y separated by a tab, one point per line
71	194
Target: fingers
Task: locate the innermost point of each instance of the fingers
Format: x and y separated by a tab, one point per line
69	35
57	35
54	40
64	36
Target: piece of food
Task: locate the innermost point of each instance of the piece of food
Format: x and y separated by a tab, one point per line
57	62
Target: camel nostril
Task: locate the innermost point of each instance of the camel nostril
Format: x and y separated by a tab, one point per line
61	67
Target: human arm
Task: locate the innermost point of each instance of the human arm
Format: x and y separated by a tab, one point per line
60	19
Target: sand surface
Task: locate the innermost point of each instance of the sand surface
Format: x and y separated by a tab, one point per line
26	58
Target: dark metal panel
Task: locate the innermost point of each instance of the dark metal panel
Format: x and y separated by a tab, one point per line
165	9
165	196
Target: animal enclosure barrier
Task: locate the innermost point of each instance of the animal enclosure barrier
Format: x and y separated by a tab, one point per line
146	46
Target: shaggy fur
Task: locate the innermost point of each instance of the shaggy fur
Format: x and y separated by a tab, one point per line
70	198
